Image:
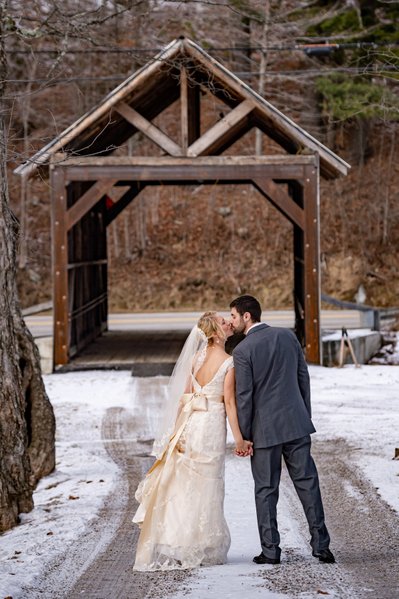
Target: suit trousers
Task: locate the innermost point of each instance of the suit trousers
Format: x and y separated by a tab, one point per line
266	471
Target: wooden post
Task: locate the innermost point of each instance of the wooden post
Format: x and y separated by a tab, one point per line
296	194
189	111
60	266
312	262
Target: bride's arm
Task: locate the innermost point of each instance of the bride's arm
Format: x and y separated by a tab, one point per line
242	446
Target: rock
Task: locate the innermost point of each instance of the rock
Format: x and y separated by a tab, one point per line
224	211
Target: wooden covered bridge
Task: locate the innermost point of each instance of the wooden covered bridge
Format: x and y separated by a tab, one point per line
84	171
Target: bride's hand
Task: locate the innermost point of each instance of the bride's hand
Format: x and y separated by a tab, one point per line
244	448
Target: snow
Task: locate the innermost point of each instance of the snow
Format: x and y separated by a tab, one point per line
70	498
389	352
358	405
361	405
352	333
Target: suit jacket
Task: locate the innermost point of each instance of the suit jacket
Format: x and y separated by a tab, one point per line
272	387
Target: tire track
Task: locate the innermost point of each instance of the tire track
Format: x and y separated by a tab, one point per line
111	574
364	535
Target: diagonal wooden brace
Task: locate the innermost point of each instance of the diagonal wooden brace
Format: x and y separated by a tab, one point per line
88	200
149	129
283	202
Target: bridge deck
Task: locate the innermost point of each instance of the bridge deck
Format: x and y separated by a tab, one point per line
144	352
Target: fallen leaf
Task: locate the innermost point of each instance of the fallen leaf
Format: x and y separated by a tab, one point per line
73	497
101	480
17	552
49	533
320	592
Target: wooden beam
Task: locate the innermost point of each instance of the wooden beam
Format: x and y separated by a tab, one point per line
312	265
187	169
60	266
88	200
124	201
189	110
184	108
117	192
149	129
284	160
181	172
277	196
184	173
217	134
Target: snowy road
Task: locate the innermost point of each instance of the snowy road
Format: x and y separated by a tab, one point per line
79	541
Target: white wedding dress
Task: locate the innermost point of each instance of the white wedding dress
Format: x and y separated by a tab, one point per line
181	498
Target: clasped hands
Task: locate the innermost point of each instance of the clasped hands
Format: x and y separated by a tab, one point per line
244	448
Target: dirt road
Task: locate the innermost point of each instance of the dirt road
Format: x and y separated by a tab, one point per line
364	531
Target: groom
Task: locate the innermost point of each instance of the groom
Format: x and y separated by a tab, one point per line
273	405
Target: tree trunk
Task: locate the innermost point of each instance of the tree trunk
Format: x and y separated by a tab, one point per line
27	425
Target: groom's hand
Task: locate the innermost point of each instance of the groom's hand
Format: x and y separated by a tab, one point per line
244	449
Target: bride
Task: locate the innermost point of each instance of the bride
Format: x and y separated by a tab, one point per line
180	511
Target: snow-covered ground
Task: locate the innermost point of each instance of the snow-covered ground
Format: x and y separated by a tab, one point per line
361	405
358	405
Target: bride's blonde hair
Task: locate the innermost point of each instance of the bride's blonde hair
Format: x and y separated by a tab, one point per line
209	325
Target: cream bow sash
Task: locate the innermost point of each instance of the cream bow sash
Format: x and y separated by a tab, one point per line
191	402
194	402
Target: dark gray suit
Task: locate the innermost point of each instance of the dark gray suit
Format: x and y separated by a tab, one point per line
273	405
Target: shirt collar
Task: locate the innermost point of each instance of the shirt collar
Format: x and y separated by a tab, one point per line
253	326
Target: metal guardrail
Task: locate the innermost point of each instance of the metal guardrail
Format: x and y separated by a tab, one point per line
37	308
386	318
377	319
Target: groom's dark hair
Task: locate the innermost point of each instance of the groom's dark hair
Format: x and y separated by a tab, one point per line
247	303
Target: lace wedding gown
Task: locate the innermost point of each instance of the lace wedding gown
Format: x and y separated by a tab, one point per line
181	498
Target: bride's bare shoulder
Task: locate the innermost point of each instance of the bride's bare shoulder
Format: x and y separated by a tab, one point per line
219	357
226	357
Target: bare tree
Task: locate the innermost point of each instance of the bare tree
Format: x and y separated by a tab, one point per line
27	426
27	423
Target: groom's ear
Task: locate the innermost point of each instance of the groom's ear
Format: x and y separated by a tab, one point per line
247	316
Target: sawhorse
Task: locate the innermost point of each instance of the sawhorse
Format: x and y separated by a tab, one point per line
345	345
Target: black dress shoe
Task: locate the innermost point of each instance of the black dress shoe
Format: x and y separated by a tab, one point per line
324	556
262	559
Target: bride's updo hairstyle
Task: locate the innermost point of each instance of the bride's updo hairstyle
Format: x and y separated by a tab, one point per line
209	325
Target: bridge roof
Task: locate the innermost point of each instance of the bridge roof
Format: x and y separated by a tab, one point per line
133	104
